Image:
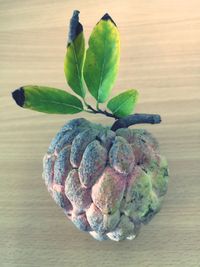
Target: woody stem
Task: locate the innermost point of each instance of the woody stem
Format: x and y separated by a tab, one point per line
125	122
136	118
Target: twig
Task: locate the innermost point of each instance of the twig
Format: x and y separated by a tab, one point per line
127	121
104	112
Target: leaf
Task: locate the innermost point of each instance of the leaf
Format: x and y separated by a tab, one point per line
75	56
124	103
47	100
102	59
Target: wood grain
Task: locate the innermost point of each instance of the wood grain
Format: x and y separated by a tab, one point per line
160	56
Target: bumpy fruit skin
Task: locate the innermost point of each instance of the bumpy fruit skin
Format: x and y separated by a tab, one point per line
108	183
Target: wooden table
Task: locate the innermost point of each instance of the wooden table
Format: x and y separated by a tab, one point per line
160	56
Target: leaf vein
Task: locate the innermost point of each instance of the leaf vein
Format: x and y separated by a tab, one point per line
58	103
122	103
77	68
102	70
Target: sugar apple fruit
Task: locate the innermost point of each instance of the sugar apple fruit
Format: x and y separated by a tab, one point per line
108	180
107	183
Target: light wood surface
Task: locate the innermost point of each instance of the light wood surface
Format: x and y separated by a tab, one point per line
160	56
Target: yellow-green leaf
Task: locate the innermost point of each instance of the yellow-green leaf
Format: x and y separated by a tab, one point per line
75	56
102	59
47	100
124	103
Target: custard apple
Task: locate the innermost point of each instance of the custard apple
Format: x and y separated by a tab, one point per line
107	183
108	180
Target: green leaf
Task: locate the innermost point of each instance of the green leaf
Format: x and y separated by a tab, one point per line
75	56
102	59
124	103
47	100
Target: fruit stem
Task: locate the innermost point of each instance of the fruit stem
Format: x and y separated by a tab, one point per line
136	118
127	121
104	112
